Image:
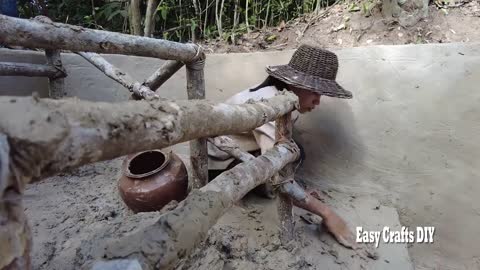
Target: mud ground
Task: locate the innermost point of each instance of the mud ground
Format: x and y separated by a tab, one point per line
73	215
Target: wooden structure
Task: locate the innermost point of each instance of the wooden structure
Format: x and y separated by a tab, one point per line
56	135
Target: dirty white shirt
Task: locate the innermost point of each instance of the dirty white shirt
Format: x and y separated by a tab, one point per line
262	138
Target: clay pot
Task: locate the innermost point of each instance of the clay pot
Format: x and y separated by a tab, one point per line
151	179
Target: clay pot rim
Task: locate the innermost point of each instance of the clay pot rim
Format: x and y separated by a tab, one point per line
127	172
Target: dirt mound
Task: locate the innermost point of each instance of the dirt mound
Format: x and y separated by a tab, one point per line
345	26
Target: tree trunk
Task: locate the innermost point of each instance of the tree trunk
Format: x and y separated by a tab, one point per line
318	7
198	15
218	16
150	18
136	17
266	15
206	19
197	9
246	16
235	21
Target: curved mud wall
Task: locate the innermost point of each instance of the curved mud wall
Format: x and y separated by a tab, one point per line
408	136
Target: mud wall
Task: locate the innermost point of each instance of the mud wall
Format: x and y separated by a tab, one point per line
409	135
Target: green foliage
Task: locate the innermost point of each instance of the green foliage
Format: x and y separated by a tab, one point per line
101	15
174	19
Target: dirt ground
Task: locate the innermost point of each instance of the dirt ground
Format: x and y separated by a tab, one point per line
339	28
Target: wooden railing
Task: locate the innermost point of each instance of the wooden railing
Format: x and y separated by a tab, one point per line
54	135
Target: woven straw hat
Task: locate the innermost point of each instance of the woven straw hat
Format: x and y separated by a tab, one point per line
313	69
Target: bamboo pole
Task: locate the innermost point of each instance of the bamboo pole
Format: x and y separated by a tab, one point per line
283	132
48	35
119	76
198	147
177	233
164	73
30	70
57	135
56	85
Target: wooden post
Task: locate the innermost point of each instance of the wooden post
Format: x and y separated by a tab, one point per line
163	74
56	85
285	205
30	70
198	147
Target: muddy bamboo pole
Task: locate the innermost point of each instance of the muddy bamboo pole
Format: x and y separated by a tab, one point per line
283	132
119	76
228	146
198	147
30	70
56	85
48	35
289	189
177	233
57	135
164	73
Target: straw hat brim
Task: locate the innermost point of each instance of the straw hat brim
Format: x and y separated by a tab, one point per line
293	77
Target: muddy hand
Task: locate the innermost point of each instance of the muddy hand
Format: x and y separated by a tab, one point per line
339	229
